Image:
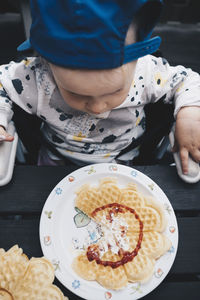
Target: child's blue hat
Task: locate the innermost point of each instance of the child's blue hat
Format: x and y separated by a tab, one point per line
91	33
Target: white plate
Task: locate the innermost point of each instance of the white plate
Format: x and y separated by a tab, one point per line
60	237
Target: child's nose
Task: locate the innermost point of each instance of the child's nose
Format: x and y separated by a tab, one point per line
96	105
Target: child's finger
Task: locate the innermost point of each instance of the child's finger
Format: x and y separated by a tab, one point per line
4	136
175	147
184	160
195	154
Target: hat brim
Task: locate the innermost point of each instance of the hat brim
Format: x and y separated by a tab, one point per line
25	46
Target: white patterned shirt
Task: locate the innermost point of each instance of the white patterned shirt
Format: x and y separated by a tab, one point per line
87	138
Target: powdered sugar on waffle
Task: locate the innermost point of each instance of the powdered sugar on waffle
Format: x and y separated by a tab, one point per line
110	235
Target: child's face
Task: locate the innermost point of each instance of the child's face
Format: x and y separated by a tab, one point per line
94	91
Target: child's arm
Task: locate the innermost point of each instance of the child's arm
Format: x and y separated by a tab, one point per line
181	85
187	134
17	84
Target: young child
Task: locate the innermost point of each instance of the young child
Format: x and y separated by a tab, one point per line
93	77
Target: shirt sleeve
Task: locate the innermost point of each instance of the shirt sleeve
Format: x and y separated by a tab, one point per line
17	85
5	107
173	84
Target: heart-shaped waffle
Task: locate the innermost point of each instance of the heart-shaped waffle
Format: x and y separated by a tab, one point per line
22	279
132	234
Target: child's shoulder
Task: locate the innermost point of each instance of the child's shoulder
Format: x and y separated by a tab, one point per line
24	69
31	63
152	60
151	64
23	64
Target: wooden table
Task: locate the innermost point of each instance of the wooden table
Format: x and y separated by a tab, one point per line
23	198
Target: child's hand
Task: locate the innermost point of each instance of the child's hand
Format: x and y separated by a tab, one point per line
187	135
4	136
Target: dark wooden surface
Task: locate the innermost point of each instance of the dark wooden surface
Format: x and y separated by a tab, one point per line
23	198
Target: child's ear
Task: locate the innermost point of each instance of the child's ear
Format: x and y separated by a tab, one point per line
131	36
